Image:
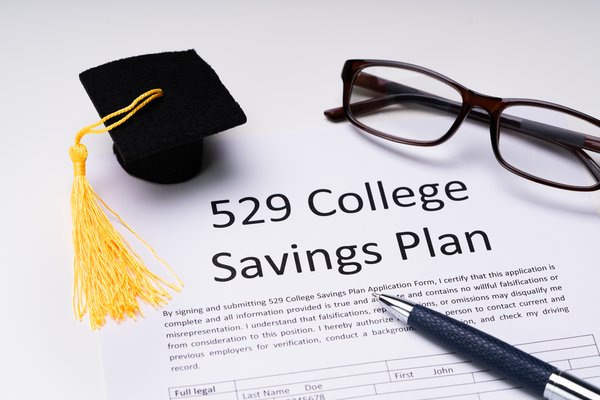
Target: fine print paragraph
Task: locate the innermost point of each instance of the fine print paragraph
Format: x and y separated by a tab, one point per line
313	318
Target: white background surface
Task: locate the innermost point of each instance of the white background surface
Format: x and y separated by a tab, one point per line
280	60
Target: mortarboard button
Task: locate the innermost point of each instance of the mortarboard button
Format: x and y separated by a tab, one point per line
163	144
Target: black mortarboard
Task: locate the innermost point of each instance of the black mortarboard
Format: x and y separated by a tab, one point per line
164	143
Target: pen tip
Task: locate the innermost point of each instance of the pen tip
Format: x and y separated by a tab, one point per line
376	295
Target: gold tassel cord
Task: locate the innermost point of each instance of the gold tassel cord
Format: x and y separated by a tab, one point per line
109	276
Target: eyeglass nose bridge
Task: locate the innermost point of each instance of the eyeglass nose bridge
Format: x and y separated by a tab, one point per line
476	107
475	99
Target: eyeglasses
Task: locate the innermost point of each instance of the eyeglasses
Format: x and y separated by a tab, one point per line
541	141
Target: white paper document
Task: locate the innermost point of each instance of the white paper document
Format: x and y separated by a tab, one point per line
282	240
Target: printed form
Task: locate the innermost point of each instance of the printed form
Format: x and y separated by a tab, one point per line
282	240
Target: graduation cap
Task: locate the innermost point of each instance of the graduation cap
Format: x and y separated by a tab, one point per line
177	101
164	143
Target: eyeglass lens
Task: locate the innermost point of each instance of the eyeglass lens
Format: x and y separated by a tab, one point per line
403	105
537	145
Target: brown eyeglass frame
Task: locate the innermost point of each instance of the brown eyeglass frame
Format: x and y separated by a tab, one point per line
489	111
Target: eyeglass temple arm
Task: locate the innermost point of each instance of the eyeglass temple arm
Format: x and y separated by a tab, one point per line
401	93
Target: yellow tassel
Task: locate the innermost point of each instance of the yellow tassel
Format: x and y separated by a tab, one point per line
109	276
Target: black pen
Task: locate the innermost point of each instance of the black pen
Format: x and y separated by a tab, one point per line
537	376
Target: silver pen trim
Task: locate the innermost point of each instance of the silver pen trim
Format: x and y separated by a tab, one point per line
400	308
564	386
